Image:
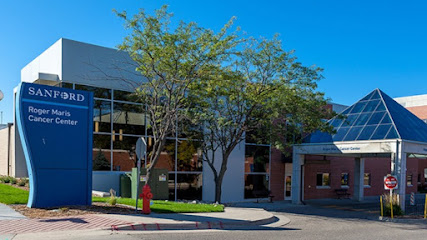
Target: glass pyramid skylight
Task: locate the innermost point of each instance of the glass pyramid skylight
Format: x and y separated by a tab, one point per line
374	117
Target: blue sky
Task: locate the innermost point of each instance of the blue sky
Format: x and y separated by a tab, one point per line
362	45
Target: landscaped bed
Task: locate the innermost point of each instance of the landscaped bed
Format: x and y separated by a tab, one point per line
17	197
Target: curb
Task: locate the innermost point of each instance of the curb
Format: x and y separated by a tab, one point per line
403	220
194	225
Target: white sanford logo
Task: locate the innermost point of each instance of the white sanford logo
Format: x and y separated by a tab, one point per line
55	94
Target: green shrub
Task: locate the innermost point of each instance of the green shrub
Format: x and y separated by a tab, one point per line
397	211
2	178
6	180
113	200
13	180
22	182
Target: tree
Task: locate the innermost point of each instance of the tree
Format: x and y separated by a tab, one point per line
263	92
170	60
100	163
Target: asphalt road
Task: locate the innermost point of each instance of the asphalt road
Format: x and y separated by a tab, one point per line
306	223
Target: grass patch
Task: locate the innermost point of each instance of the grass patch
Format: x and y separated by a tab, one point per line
168	206
12	195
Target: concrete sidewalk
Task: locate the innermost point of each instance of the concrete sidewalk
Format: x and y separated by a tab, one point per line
58	228
7	213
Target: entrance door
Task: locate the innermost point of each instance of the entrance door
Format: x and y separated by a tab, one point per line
288	187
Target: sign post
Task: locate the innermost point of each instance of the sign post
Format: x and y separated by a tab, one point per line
140	149
390	182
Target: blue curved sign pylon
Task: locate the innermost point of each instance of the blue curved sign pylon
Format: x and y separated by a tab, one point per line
55	129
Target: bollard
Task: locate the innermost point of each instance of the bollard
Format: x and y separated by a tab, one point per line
391	206
381	204
425	207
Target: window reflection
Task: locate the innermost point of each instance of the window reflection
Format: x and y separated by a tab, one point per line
97	92
102	116
129	119
189	156
189	186
256	186
167	155
101	154
257	158
124	157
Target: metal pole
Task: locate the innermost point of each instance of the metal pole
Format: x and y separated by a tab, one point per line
137	179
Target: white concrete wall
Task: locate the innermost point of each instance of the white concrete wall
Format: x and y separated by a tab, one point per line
4	136
234	179
412	101
19	165
82	63
50	62
105	180
93	65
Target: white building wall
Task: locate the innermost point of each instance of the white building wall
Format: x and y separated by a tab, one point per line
234	181
4	136
98	66
48	62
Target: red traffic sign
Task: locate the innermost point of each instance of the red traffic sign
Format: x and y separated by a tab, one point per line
390	182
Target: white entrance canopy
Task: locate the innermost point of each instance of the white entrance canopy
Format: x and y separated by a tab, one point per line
375	126
397	149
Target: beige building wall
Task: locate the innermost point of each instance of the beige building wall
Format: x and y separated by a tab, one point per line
4	135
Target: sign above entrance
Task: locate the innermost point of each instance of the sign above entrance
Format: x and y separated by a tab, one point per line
55	129
390	182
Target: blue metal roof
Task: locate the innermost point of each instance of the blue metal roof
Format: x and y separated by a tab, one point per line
376	116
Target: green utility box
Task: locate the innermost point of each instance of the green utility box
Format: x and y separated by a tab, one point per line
125	186
159	183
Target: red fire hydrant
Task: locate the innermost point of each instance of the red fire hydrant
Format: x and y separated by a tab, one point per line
146	196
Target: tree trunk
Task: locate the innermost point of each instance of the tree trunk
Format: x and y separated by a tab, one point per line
218	189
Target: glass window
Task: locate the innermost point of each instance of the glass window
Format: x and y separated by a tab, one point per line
102	116
344	179
129	119
336	122
189	186
97	92
350	120
381	131
171	186
189	156
67	85
340	134
392	133
409	180
386	119
362	119
125	96
186	129
370	107
358	107
353	133
367	179
376	95
167	155
101	154
380	107
124	157
376	118
322	179
366	132
257	158
256	186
